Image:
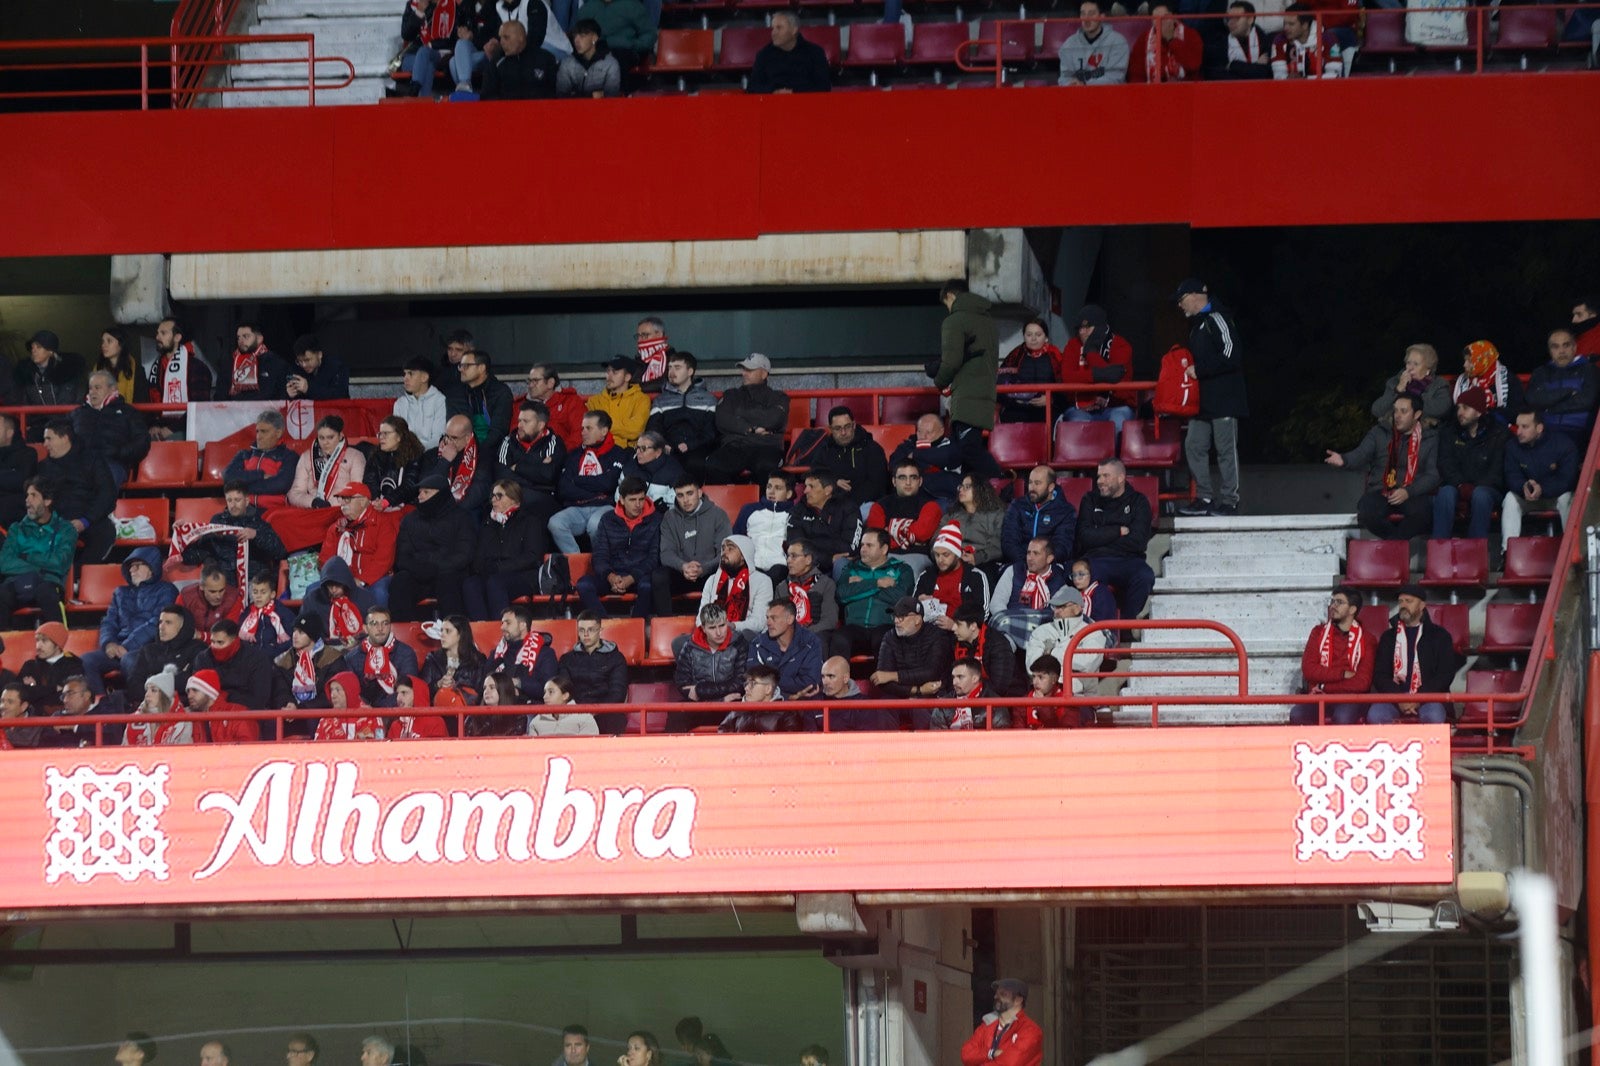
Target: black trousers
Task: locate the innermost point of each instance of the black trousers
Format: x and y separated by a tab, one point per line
725	465
1414	518
407	587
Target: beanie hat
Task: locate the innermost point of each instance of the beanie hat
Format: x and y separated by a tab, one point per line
949	539
166	681
55	633
207	681
1476	398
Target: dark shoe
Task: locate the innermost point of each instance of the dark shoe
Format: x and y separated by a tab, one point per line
1225	510
1196	508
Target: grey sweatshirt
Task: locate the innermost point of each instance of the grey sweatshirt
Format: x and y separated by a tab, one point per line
1102	61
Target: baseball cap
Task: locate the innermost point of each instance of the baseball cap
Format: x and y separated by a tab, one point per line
906	605
355	488
1065	595
756	361
1187	286
46	339
1013	985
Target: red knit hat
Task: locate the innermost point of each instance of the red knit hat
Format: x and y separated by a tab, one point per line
207	681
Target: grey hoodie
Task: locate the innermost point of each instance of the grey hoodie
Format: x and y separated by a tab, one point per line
696	536
1102	61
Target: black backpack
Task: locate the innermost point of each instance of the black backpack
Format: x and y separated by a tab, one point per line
554	577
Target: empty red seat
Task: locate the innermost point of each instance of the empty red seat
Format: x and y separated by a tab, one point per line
935	43
1457	563
1509	628
663	631
195	508
890	437
1377	564
649	695
1055	34
1018	445
628	635
1081	445
863	407
96	583
1386	34
1016	40
731	498
1131	28
1530	562
1374	618
1526	29
486	635
904	408
214	459
683	51
1454	618
1149	487
170	464
1490	681
1074	489
882	44
18	649
563	632
824	37
1147	445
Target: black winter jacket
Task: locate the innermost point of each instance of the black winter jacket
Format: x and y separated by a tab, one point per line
390	481
18	462
1474	460
713	673
62	382
436	538
83	486
516	547
861	462
1214	341
834	530
536	466
489	404
599	676
115	432
1100	522
1438	659
917	659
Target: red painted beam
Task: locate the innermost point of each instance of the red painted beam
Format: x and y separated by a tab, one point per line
1362	150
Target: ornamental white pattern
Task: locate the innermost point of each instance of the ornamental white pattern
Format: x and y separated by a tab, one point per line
1359	800
106	824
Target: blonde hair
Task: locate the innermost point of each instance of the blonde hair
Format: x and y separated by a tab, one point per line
1430	355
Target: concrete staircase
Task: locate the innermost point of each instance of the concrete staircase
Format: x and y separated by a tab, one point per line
366	32
1265	577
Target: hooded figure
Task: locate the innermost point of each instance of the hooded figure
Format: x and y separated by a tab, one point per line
740	588
180	650
344	692
130	621
412	726
342	617
1095	356
1481	368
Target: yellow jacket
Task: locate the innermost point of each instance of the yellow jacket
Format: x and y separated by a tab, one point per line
629	412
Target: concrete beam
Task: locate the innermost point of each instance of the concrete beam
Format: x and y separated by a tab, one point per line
830	260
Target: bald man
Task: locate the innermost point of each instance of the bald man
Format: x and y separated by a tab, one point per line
465	464
521	73
837	685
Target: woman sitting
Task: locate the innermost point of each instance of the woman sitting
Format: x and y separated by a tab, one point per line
394	469
553	723
499	690
458	666
326	467
1033	362
512	542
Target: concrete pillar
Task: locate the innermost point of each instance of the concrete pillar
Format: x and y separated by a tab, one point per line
139	289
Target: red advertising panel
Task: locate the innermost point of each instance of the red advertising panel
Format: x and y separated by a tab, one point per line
710	815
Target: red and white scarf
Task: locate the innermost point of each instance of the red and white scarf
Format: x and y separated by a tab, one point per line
732	593
256	617
175	375
1036	591
1246	49
527	654
185	534
378	666
1352	650
346	546
900	533
441	25
1088	602
1391	476
149	734
653	358
467	465
590	465
247	367
303	683
964	718
364	728
344	620
1412	677
1160	57
800	596
502	517
325	470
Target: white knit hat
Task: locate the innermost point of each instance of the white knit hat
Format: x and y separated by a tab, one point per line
949	539
166	682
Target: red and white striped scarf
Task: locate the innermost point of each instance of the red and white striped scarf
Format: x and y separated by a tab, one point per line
441	24
344	620
461	480
378	666
1352	650
732	593
364	728
653	358
175	375
1036	591
326	470
256	617
964	718
247	367
303	682
1412	677
527	654
1391	476
185	534
800	596
1161	59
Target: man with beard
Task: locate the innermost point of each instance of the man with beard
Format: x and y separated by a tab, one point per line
1007	1037
950	583
1402	472
483	399
175	645
533	457
524	653
1042	512
256	372
1339	658
220	549
814	595
179	374
36	559
742	591
1021	600
913	660
84	493
1414	655
381	659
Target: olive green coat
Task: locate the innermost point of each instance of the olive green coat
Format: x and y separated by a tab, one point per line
969	361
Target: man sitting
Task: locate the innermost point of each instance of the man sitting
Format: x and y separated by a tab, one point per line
83	490
1021	600
36	557
935	455
627	552
987	646
526	654
1338	658
465	464
790	64
1472	468
591	70
245	671
381	659
533	457
212	598
622	401
599	671
176	645
52	664
712	661
1114	525
1414	655
1566	390
109	427
814	595
751	418
914	659
255	372
209	701
1053	637
267	467
221	549
521	73
318	376
766	523
910	515
1041	512
1541	472
792	650
868	591
967	682
693	530
1402	471
130	621
852	458
950	583
829	524
364	537
651	463
735	585
567	408
588	484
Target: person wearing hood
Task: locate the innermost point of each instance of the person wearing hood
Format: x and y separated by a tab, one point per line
1096	356
598	671
1414	655
50	377
512	544
245	671
684	412
307	667
1096	54
969	365
591	70
211	598
84	492
1481	368
588	485
411	693
627	552
852	458
1052	638
175	645
751	418
814	595
1033	362
738	587
711	662
36	559
221	549
208	700
932	451
130	621
655	466
432	553
344	694
766	523
18	463
318	376
109	427
380	659
692	534
338	603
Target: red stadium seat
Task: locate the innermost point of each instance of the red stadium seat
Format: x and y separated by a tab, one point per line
740	45
171	464
1056	32
826	38
934	44
663	631
1456	564
1374	617
18	649
96	583
683	52
563	632
580	564
1377	564
1509	628
628	635
890	437
1386	35
1145	446
907	408
1131	28
411	634
1018	445
1530	562
155	508
1454	618
82	641
863	408
1490	681
1016	44
649	694
731	498
1074	489
1525	29
214	459
1149	487
1081	445
880	44
799	412
195	508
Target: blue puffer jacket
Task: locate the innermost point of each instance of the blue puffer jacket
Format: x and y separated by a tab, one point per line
131	618
1025	520
620	550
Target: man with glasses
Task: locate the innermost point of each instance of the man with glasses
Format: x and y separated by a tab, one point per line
566	406
302	1051
380	660
1339	658
484	399
655	352
466	465
911	517
855	461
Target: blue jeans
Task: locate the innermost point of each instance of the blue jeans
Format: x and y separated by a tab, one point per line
567	525
1444	511
1116	415
465	61
1337	713
96	664
422	64
1389	713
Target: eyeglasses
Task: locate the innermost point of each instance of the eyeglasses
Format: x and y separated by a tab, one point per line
497	495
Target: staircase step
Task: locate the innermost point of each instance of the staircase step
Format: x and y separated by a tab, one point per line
289	93
1263	581
386	28
1200	714
1298	610
1271	561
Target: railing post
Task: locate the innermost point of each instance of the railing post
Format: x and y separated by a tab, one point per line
1477	14
144	77
999	56
311	70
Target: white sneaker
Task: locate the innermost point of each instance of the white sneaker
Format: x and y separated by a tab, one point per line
463	87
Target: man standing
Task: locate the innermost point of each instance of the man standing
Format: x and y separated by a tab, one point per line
852	458
1541	472
179	373
1566	389
1096	54
36	557
969	364
1472	468
1212	341
1402	472
622	400
1007	1037
1114	524
790	64
1413	656
319	376
484	399
684	413
256	373
751	418
1338	658
693	532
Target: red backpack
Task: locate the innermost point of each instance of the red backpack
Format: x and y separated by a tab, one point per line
1176	392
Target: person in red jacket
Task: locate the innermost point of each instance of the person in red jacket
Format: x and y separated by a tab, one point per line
1176	58
1096	356
1007	1037
567	407
363	536
206	698
1586	325
1338	658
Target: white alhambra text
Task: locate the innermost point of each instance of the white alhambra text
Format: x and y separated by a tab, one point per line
434	827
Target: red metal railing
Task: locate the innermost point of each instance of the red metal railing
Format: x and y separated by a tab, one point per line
188	75
1008	35
202	22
